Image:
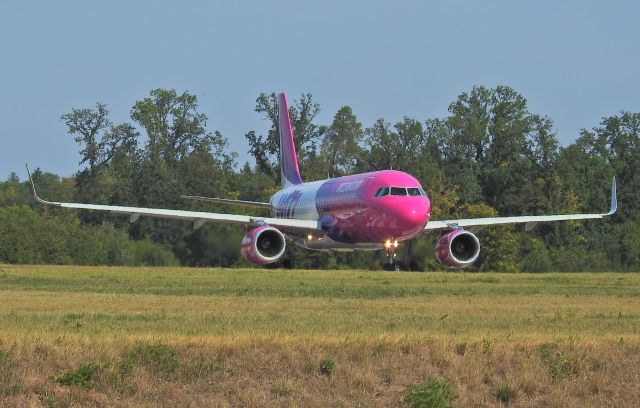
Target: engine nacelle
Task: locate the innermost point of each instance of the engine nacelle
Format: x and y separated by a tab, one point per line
263	245
458	249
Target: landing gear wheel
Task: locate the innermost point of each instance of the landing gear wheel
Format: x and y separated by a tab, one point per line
391	264
394	267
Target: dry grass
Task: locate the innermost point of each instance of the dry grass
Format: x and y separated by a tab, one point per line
184	337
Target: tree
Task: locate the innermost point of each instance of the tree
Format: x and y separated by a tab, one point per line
98	138
172	123
341	151
87	124
398	148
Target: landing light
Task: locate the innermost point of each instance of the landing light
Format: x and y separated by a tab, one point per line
309	237
389	243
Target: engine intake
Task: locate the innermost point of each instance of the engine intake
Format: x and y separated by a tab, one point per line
263	245
458	249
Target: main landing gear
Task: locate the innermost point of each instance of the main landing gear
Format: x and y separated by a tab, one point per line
391	246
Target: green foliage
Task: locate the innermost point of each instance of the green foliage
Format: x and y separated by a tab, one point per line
82	377
327	365
51	402
27	237
561	363
434	393
341	150
536	257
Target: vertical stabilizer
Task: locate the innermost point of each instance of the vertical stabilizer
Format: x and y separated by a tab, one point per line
289	172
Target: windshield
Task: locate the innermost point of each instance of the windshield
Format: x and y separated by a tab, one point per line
382	191
400	191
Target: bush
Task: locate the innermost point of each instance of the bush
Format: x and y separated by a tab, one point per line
327	364
27	237
83	377
147	253
561	364
435	393
537	258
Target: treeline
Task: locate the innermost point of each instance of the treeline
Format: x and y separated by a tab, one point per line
489	156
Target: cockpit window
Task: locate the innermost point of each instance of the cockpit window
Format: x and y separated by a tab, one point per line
398	191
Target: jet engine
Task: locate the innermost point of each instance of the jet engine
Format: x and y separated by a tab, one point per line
263	245
458	249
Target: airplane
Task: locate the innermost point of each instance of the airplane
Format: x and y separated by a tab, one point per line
368	211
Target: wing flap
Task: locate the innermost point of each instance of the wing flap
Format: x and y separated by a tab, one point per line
242	203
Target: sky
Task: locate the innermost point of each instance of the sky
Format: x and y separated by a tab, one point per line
574	61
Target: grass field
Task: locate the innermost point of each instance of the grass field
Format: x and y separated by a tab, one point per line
93	336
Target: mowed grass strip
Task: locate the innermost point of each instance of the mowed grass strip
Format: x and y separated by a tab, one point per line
297	283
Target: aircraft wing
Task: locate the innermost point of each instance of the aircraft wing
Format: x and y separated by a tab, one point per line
197	217
253	204
529	221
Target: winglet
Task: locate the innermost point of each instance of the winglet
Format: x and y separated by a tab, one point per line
614	197
33	188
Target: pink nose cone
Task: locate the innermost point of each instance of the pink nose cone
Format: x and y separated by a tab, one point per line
416	211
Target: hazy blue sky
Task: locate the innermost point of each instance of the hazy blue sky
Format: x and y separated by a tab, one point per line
574	61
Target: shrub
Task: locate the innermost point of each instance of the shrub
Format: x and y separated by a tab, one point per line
30	238
327	364
537	258
561	364
434	393
148	253
51	402
82	377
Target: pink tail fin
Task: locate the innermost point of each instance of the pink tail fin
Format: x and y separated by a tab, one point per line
289	172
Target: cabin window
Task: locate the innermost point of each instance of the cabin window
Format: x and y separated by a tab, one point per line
398	191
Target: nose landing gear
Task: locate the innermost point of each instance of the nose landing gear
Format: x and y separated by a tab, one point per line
391	246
